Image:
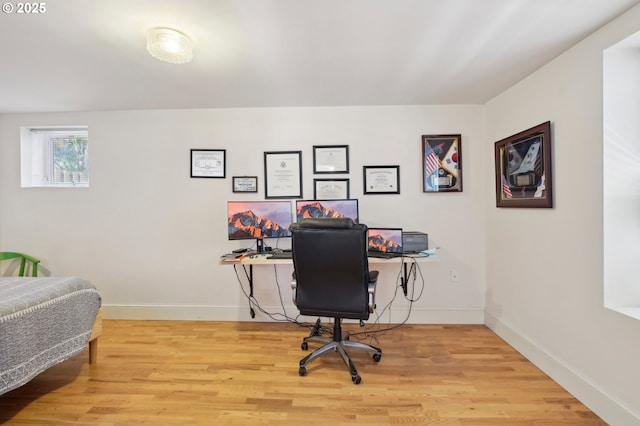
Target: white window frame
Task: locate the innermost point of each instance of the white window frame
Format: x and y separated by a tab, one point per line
621	174
36	150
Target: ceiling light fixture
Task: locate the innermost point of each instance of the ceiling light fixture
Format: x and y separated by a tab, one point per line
169	45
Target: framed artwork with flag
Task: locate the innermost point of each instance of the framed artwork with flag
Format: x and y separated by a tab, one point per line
523	168
441	163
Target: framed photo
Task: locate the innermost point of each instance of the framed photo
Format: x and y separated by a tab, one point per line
330	159
283	174
523	169
208	163
330	189
381	179
245	183
441	163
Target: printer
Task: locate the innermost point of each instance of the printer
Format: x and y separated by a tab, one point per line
414	242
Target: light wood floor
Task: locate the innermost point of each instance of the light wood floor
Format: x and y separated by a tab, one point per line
229	373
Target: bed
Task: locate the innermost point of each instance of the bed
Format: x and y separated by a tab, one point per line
44	321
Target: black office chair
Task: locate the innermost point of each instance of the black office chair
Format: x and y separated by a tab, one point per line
332	279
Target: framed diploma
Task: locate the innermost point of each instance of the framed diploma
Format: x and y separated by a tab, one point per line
245	184
330	189
330	159
381	179
208	163
283	174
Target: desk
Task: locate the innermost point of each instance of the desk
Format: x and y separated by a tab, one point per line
263	259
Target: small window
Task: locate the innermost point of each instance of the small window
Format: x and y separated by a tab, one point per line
55	157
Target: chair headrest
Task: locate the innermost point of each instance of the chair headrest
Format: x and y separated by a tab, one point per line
326	223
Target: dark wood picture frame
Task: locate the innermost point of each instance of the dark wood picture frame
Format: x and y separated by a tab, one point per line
523	169
442	163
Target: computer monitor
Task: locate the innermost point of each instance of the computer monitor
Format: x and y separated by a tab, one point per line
258	219
385	240
327	209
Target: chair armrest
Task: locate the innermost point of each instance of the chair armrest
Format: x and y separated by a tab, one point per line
294	287
373	281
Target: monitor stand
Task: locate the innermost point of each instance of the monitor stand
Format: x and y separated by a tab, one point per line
260	245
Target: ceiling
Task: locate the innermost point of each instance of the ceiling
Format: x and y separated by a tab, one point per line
84	55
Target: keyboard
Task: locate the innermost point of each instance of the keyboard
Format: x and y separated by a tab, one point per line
281	255
289	255
383	254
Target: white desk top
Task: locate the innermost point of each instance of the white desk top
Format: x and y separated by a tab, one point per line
263	259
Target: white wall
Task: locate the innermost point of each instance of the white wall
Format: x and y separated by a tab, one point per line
149	236
545	266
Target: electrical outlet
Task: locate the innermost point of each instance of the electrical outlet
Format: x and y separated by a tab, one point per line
453	276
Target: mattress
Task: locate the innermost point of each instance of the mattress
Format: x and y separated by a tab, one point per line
43	321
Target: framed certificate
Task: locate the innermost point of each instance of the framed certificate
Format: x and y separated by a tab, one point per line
245	184
330	159
208	163
381	179
283	174
330	189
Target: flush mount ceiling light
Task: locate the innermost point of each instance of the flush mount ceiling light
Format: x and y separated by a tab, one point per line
169	45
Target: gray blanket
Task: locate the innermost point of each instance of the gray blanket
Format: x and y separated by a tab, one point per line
43	321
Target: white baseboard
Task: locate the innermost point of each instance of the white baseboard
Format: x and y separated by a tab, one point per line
241	313
586	392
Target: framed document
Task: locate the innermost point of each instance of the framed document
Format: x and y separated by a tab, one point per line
283	174
245	184
330	189
330	159
523	168
381	179
441	163
208	163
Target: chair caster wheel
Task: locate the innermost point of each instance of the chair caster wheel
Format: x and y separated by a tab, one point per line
377	357
304	346
302	371
356	379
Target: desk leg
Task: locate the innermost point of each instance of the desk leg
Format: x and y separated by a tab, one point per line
251	311
404	280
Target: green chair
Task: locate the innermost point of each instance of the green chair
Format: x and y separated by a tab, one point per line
6	255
